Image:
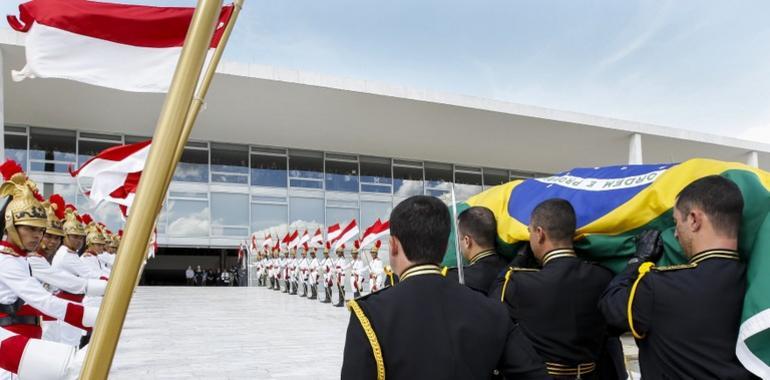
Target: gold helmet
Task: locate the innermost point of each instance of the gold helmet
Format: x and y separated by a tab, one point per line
376	246
341	249
356	247
94	234
115	241
73	224
54	207
327	247
23	209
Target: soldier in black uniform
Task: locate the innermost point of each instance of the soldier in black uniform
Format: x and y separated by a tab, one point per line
685	318
556	306
477	232
426	327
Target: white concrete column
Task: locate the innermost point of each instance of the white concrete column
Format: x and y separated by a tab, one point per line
753	159
635	149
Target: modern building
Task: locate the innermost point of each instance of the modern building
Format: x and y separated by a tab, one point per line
274	147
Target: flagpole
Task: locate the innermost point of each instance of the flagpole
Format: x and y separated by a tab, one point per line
460	274
150	192
203	89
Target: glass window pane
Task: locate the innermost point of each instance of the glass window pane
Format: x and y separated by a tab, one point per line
343	216
268	170
342	176
135	139
88	149
107	213
376	170
188	218
310	184
407	181
370	211
67	191
228	209
468	178
463	191
237	232
437	174
267	218
229	158
16	149
384	189
494	177
49	145
306	164
193	167
306	213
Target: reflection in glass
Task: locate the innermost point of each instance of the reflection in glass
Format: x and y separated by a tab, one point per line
229	210
342	176
437	174
307	168
494	177
51	150
376	175
229	163
16	149
407	181
265	218
268	170
468	183
88	149
193	167
306	211
188	218
343	216
107	213
370	211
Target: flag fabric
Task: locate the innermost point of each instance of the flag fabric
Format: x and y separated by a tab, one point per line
349	232
286	239
375	232
241	251
304	239
115	173
152	247
615	203
253	242
333	232
293	240
120	46
318	239
267	242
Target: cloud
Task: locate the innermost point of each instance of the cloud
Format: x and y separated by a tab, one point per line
196	224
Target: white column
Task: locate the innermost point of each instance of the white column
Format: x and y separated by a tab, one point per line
635	149
753	159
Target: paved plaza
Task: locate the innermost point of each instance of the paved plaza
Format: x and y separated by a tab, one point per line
231	333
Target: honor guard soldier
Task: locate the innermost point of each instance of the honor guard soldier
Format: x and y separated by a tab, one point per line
478	232
340	267
376	269
303	267
23	300
95	243
685	318
428	327
291	270
327	270
556	305
107	257
357	271
276	269
312	277
283	271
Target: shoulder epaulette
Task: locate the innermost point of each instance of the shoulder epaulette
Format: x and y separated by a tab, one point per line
674	267
364	297
8	251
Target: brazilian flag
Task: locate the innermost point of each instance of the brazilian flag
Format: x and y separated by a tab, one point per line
615	203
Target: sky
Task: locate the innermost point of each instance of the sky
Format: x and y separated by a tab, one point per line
697	65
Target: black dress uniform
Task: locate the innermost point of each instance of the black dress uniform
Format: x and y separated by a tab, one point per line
429	328
685	317
482	272
557	309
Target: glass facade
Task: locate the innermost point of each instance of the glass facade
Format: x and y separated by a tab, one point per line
223	192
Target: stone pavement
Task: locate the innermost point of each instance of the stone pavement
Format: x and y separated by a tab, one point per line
232	333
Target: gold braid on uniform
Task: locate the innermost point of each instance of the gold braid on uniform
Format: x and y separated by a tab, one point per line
505	284
643	270
369	331
444	271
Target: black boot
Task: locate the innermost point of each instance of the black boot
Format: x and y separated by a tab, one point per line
313	292
341	301
328	293
356	294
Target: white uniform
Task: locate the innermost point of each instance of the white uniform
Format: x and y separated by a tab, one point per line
358	272
340	267
35	358
107	259
376	275
92	261
327	270
67	260
302	268
312	277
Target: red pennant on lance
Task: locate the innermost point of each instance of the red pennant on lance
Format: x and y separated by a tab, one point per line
267	242
317	239
333	232
304	239
121	46
294	240
375	232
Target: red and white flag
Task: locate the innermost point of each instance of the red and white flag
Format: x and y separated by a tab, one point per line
318	238
241	251
333	232
267	242
375	232
120	46
253	242
304	239
293	240
286	239
115	173
349	232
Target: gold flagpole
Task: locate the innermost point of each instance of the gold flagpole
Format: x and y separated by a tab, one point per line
150	194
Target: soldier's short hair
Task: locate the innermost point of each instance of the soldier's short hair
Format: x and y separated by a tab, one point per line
556	217
480	224
719	198
421	223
